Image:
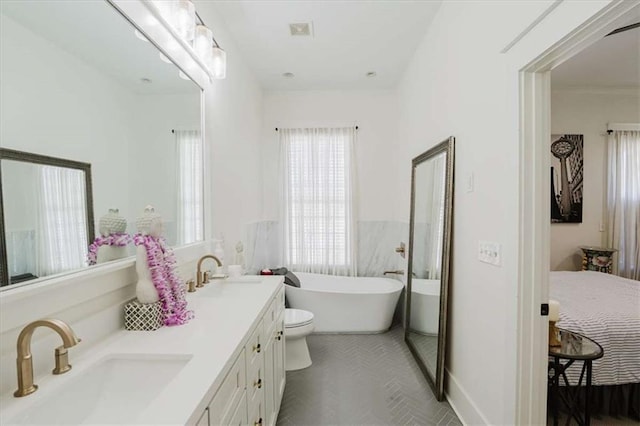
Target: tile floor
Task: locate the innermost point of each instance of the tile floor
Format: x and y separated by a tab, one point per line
361	380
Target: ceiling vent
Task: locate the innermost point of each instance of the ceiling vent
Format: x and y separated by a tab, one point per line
300	29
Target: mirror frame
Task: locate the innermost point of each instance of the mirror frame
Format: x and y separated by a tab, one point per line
28	157
437	382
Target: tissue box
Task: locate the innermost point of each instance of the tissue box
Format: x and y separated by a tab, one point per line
142	316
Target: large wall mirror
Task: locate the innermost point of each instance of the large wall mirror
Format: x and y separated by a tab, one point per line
72	93
429	258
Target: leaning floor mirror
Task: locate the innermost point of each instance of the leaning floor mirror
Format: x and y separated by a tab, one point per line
429	259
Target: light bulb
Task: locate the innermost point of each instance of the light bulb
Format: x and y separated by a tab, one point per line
185	22
203	42
218	63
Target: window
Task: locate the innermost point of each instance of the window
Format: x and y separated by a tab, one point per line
623	201
62	220
190	192
318	206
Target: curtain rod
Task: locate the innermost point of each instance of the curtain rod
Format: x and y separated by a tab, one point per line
611	127
356	127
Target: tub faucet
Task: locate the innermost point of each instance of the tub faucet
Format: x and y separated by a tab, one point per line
201	279
25	361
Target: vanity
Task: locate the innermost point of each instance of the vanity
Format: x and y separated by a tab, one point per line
105	113
225	367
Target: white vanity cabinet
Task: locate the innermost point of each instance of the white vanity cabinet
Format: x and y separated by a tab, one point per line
252	390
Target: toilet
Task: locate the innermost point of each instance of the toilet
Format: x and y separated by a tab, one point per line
298	324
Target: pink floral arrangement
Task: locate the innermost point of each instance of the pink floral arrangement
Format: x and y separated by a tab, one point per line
116	239
162	264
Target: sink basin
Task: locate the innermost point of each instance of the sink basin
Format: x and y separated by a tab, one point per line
113	391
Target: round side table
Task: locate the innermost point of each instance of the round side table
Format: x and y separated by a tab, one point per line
574	347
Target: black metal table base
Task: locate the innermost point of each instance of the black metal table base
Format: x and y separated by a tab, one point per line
572	397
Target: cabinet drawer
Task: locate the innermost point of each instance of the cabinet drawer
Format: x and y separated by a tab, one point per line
229	393
239	416
255	380
270	317
255	346
280	301
256	410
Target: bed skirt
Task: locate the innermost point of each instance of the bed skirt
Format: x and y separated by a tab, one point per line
614	401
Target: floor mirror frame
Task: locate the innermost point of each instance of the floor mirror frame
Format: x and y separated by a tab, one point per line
437	382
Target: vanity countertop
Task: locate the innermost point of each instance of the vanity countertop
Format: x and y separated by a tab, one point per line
225	312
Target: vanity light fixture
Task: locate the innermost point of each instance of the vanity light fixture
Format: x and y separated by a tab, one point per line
140	35
164	59
203	42
218	63
168	9
181	16
185	19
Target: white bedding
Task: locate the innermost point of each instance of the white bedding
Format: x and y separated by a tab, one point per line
605	308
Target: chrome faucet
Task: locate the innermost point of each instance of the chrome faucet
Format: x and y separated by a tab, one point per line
203	278
25	360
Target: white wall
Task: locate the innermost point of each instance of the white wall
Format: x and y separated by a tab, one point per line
375	114
233	111
459	84
587	112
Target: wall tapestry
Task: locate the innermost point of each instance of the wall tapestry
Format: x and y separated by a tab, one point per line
566	178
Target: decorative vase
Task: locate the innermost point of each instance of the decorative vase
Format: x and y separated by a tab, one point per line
150	223
113	240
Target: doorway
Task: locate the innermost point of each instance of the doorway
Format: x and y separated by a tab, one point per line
535	180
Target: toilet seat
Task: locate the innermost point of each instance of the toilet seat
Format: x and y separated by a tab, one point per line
297	318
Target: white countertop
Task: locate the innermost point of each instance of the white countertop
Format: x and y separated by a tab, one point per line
224	314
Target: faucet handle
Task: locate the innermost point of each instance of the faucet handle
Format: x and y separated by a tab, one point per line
206	277
191	286
62	361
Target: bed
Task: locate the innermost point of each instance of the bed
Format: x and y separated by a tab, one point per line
605	308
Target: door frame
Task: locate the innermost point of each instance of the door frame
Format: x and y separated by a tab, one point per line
534	229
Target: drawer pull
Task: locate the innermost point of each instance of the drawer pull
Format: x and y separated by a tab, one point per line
257	348
259	422
258	384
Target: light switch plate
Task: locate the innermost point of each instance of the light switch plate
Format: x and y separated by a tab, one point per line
490	252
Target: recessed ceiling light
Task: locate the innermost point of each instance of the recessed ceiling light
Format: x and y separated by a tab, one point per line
145	80
371	74
300	29
288	75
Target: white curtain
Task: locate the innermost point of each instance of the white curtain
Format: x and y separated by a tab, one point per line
623	201
62	220
436	216
318	200
190	186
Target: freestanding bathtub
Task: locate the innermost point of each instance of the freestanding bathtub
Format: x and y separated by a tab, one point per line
425	306
346	304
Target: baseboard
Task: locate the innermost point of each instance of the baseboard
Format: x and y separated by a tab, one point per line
464	407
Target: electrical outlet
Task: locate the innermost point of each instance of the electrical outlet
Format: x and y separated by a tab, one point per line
490	252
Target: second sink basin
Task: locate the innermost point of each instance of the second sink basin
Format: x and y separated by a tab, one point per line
113	391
